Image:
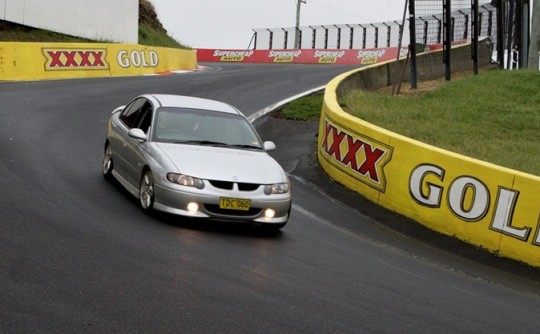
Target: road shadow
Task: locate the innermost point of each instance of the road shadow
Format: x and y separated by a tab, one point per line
245	229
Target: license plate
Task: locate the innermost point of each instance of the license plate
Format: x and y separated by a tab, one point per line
234	204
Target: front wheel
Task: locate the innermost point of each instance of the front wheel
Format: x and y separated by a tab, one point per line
272	228
107	165
146	191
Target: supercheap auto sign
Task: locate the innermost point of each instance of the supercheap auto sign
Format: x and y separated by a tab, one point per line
303	56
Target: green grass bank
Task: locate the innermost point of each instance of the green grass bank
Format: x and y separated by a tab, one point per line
494	116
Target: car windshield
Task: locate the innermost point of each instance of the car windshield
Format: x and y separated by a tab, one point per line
204	127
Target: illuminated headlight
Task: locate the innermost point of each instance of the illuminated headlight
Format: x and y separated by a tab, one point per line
277	188
185	180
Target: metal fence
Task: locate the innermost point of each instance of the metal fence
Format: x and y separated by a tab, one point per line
429	27
429	23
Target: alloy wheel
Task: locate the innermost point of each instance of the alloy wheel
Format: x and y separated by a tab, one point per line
146	191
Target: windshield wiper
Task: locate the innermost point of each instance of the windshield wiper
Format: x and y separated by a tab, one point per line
201	142
247	146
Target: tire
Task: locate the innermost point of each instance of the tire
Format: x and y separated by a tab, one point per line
274	227
146	191
107	164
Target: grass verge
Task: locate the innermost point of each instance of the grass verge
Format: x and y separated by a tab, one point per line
306	108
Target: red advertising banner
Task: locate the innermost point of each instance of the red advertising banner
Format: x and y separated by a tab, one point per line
302	56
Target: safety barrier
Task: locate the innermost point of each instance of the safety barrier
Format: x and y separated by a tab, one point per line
38	61
492	207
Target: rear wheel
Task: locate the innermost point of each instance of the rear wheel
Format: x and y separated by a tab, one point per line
146	191
107	165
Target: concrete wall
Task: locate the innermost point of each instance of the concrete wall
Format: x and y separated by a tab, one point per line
103	20
430	66
492	207
41	61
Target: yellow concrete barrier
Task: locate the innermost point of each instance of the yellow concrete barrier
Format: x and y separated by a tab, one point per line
38	61
483	204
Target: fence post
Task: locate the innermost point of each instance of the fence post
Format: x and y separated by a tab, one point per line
270	39
255	35
325	37
364	33
351	36
425	31
388	34
376	35
475	34
338	36
525	33
509	41
490	22
500	33
534	48
448	36
466	30
412	46
313	37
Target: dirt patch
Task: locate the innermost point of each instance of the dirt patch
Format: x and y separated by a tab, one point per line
423	87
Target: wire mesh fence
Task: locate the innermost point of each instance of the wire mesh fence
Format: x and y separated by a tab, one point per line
429	29
429	23
504	22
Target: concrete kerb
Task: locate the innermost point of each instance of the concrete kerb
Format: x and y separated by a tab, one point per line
252	118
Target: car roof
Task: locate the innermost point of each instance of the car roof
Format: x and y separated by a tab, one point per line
166	100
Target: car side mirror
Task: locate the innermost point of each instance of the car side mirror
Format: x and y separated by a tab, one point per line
137	134
269	146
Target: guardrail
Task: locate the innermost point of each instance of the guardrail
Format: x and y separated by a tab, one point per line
492	207
38	61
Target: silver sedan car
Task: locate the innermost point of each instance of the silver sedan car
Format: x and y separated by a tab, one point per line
195	157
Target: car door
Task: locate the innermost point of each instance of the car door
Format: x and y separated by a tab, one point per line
135	149
129	118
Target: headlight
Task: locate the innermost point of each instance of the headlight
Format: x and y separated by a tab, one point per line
277	188
185	180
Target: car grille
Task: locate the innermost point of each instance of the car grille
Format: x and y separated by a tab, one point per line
212	208
229	185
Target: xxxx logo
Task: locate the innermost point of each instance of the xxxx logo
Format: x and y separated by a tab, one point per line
75	59
359	156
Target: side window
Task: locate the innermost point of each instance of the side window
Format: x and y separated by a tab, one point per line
146	117
132	113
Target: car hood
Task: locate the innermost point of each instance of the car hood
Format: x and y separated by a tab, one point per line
224	164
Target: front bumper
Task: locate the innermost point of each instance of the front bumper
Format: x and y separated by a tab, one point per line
175	199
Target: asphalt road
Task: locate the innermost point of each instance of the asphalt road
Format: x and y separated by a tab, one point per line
77	255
